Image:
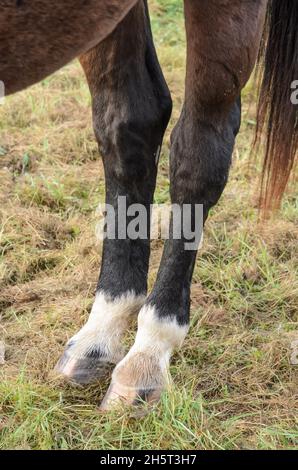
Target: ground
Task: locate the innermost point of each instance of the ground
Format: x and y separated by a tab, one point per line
234	384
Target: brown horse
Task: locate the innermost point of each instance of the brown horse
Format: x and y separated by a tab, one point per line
131	110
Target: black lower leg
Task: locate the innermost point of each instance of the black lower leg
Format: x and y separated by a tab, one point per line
131	109
200	161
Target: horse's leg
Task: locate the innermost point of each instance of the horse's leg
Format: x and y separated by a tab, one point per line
222	44
131	109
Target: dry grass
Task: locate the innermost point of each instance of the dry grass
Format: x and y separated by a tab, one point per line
234	384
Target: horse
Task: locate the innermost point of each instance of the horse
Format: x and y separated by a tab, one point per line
132	106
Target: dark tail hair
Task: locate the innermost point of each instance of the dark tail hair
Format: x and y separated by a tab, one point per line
277	114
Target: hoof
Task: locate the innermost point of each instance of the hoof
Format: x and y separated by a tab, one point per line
137	379
83	370
90	353
119	396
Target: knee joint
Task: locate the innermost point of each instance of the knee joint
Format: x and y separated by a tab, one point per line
220	84
200	160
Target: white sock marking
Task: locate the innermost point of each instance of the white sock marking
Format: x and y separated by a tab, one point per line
106	325
155	340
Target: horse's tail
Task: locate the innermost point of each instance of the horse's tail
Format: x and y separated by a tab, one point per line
278	102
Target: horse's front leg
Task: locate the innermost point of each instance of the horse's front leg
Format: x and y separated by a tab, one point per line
131	109
221	55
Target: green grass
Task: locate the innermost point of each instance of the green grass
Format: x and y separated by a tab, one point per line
234	386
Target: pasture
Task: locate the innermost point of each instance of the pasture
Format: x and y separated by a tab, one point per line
234	384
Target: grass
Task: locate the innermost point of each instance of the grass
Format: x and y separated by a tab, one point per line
234	384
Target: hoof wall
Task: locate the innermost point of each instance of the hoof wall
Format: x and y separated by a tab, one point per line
85	370
119	396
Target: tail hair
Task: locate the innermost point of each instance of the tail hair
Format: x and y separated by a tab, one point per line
277	112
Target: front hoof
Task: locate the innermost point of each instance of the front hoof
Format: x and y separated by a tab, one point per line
119	396
140	377
83	370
